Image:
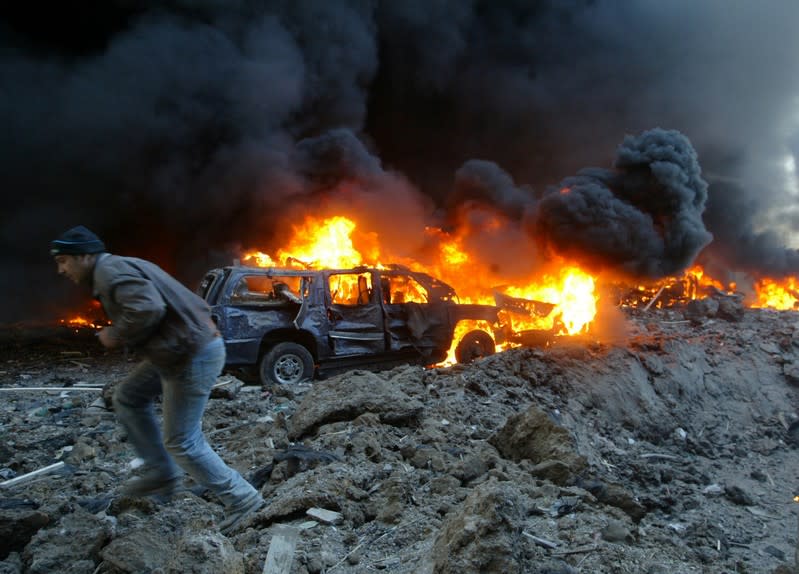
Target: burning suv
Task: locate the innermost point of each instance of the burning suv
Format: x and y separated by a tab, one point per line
289	323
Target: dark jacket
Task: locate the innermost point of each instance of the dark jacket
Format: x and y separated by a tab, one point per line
150	310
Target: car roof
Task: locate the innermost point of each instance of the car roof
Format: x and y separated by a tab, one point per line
435	285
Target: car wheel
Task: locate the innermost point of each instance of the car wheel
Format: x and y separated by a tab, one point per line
475	344
286	364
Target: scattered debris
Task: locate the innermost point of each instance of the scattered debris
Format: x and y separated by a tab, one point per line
47	389
326	516
33	474
541	541
578	457
281	550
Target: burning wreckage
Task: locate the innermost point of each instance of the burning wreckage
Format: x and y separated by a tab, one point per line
290	322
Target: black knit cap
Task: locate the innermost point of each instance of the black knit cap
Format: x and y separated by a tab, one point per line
77	241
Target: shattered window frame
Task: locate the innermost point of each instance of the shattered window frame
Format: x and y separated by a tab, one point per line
354	292
270	290
404	288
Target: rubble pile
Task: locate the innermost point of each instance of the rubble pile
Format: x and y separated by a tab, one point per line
671	450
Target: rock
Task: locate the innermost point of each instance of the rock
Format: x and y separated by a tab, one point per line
534	436
138	551
471	467
698	310
345	397
554	471
17	527
653	363
483	534
616	531
737	495
151	549
791	372
731	308
774	551
87	535
390	499
552	567
206	552
226	387
326	516
299	458
12	564
617	496
426	457
107	394
82	451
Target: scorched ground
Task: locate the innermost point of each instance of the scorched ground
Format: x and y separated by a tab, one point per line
669	450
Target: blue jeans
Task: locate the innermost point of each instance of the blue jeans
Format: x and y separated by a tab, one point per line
185	395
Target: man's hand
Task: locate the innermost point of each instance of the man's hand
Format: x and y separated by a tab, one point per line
107	338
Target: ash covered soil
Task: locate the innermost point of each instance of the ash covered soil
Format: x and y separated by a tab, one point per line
671	450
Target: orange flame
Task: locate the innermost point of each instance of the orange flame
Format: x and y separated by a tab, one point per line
452	252
91	319
77	321
260	259
782	295
694	283
571	291
323	244
336	242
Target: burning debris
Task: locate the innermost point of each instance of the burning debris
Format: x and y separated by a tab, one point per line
539	307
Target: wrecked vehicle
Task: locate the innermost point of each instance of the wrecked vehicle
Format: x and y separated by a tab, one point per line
294	323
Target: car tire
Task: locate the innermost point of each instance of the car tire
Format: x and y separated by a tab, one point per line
286	364
474	345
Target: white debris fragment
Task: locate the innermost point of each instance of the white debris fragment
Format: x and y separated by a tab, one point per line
712	490
307	525
326	516
677	527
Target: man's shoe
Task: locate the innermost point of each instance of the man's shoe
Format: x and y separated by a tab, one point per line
150	484
237	515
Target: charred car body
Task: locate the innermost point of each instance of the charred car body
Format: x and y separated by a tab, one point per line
290	322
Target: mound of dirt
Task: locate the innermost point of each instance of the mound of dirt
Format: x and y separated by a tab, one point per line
672	450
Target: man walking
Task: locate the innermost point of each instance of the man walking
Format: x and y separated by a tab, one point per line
171	327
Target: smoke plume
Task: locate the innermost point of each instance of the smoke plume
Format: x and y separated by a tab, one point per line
185	131
643	218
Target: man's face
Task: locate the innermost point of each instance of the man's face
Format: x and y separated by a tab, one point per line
75	267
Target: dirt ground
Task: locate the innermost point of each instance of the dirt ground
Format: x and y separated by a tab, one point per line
672	449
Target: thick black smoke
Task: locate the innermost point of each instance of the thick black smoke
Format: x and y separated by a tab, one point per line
644	217
485	182
180	130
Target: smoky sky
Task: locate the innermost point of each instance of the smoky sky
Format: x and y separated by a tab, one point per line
183	131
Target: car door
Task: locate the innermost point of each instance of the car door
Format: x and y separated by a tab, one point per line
412	319
354	313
